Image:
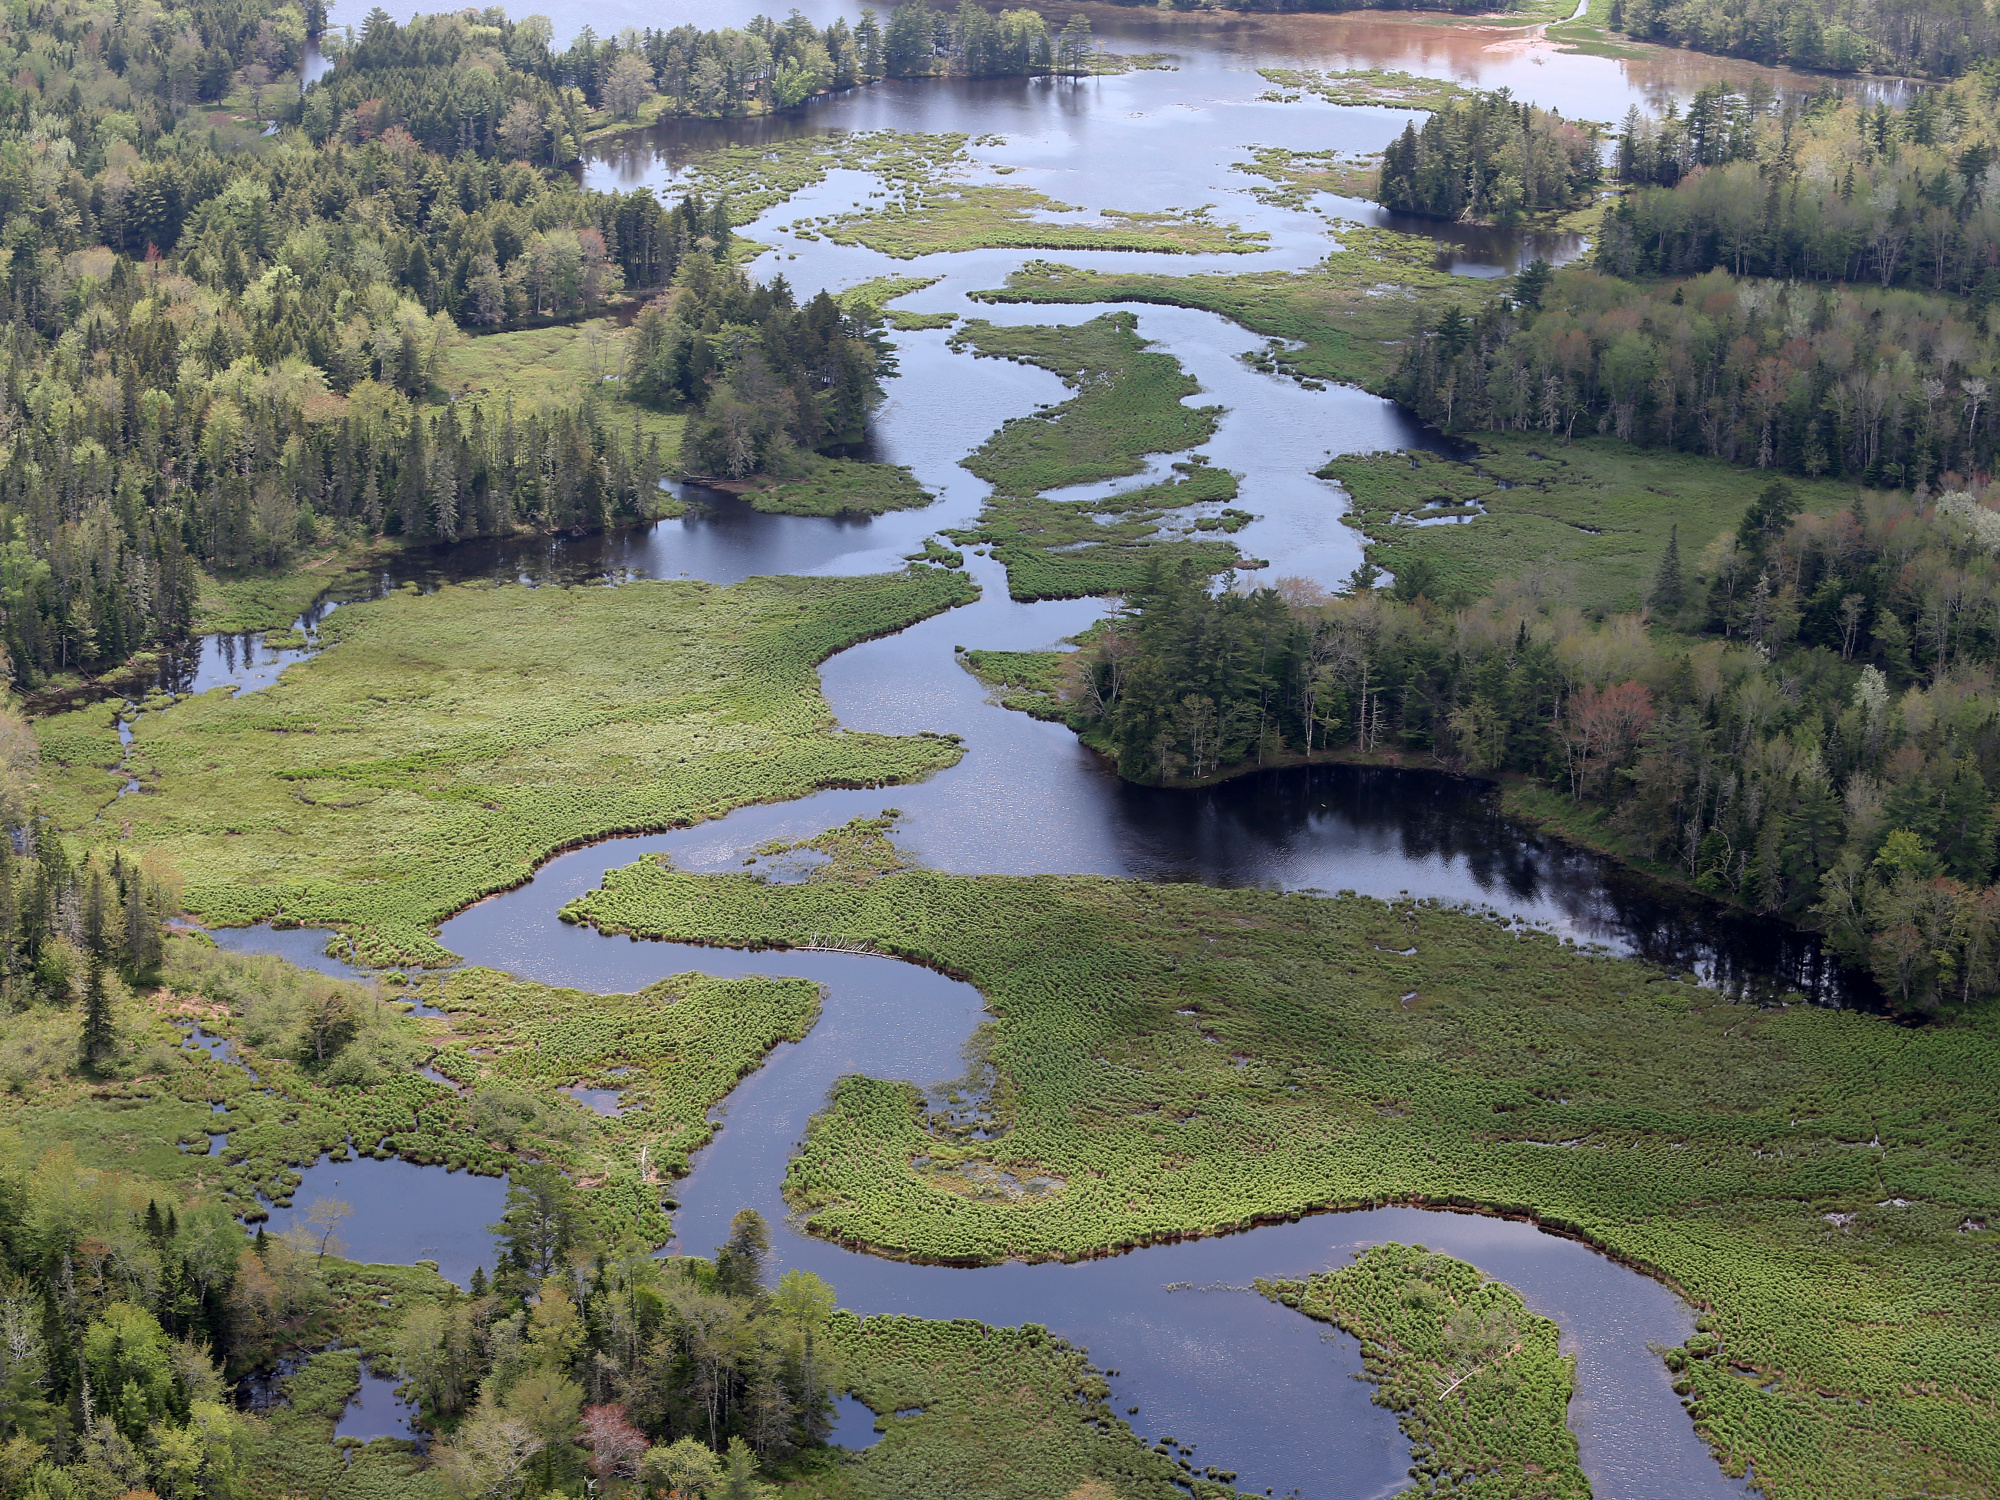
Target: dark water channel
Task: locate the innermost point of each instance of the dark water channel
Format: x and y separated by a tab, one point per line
1252	1384
1257	1388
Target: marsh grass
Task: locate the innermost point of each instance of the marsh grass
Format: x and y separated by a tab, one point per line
1128	404
537	368
879	292
1587	520
1701	1140
1349	314
1478	1382
840	487
1362	86
445	744
946	217
997	1414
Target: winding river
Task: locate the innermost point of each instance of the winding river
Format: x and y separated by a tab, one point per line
1259	1389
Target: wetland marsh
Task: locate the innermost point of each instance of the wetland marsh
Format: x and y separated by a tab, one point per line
1024	1059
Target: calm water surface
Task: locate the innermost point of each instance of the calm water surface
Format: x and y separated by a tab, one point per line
1259	1389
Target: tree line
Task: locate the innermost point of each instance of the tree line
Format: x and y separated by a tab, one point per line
1802	720
1889	387
1837	191
1488	157
1938	38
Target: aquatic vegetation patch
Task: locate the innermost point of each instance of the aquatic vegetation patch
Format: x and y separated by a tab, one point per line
1348	316
971	1412
1478	1382
1297	177
956	216
879	292
1361	86
1027	681
494	726
1192	1060
271	600
1128	404
759	177
840	487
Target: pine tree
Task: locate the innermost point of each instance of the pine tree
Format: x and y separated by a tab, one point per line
1669	585
98	1035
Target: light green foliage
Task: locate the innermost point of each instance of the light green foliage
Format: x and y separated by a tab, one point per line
1006	1414
883	290
1028	680
1127	405
841	487
448	743
944	217
1479	1382
1351	313
1590	518
561	366
1361	86
1177	1058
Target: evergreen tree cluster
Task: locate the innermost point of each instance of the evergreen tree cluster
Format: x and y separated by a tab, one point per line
769	379
1938	38
973	42
110	1306
1836	191
1488	157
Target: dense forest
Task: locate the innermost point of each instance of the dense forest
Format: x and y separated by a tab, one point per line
1808	728
1843	262
1488	157
1835	192
771	379
122	1322
1888	387
224	346
1936	38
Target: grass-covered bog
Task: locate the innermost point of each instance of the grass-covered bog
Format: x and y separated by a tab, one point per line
444	745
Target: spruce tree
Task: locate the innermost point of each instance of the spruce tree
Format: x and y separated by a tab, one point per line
98	1036
1669	586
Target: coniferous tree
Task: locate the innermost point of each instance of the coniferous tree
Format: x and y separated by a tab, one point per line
1669	591
99	1036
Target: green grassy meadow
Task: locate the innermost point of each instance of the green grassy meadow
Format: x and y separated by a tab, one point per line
444	744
